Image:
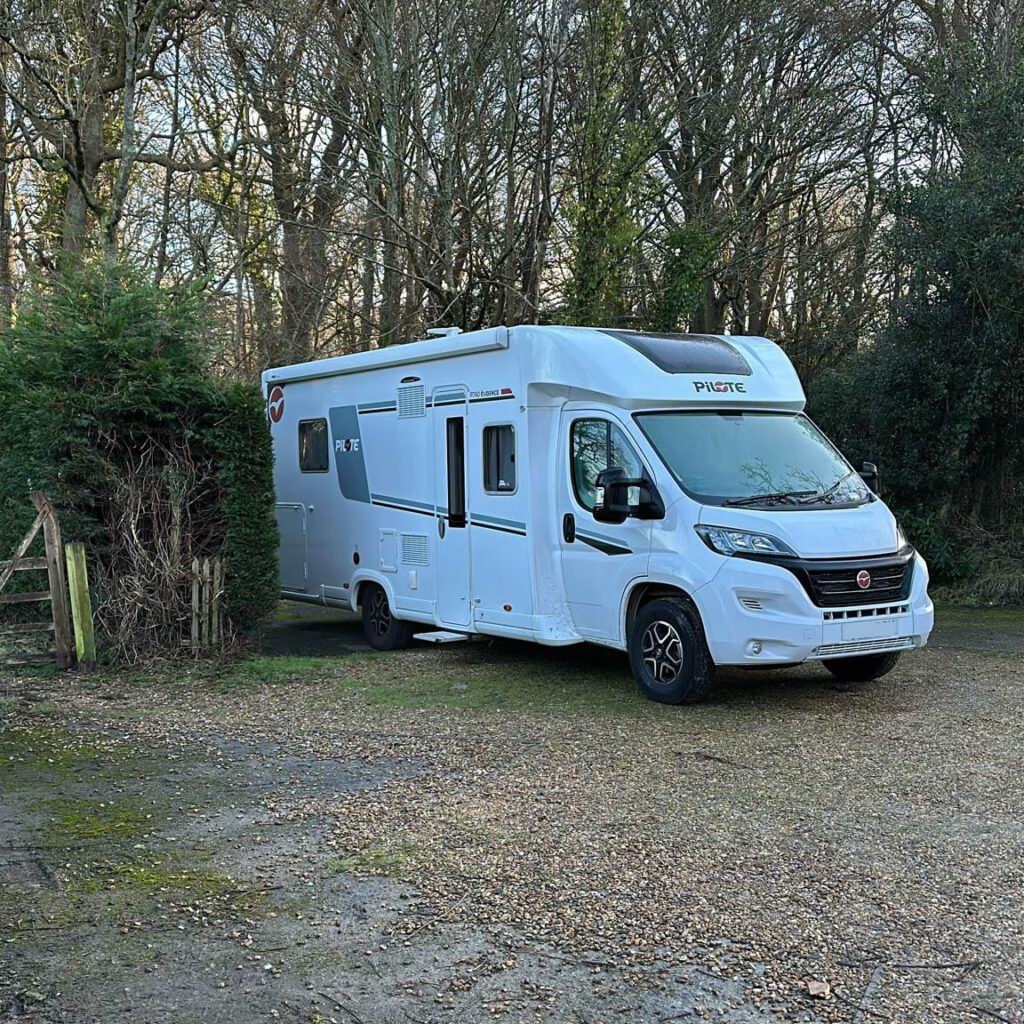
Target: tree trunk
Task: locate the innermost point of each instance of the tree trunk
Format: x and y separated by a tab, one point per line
6	260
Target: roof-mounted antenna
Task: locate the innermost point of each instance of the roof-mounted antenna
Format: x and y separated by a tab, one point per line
443	332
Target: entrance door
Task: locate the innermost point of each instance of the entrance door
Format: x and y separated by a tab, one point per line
599	560
454	597
291	555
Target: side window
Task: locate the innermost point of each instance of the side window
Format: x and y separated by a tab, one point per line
313	446
598	445
500	459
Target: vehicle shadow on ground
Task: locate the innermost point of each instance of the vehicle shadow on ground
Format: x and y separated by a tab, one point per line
312	631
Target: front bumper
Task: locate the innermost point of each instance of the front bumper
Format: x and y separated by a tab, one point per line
758	613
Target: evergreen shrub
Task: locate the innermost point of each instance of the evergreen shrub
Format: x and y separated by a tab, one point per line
152	461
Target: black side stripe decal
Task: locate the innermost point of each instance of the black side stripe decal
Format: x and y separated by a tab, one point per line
604	546
403	508
500	529
427	512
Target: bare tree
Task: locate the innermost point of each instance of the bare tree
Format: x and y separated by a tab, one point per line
74	79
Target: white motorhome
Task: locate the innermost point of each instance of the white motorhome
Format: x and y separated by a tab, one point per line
664	495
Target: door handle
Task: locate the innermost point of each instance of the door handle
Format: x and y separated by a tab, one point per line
569	527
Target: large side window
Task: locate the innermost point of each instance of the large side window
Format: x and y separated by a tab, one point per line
598	445
313	446
500	459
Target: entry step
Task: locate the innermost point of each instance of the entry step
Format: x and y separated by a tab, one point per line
441	636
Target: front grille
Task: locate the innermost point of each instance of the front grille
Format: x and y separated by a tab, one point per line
895	643
835	588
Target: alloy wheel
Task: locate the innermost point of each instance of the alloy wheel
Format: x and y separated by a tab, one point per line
662	651
380	613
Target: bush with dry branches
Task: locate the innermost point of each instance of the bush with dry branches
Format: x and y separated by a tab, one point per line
152	461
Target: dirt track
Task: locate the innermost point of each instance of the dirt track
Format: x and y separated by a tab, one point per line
325	847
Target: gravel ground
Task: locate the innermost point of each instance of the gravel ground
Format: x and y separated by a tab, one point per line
498	831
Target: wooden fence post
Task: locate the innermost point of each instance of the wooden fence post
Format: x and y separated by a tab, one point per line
81	606
58	583
207	587
218	586
195	604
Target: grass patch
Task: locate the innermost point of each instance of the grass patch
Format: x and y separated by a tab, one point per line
1004	620
44	709
304	611
276	671
381	859
488	681
92	819
38	670
478	676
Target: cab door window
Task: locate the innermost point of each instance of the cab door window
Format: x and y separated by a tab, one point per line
597	445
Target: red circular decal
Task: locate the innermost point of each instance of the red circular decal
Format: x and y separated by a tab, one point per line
863	579
276	405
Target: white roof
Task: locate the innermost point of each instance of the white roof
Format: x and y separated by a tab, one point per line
634	368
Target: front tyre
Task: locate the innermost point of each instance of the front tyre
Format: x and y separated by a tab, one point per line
383	631
668	655
863	667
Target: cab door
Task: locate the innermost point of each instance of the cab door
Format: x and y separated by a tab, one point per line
599	560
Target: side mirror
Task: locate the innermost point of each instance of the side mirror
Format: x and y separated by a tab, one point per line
868	472
619	497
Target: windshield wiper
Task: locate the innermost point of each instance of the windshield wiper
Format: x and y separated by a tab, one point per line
829	491
769	499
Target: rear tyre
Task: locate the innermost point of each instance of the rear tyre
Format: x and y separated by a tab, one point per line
862	668
383	631
668	655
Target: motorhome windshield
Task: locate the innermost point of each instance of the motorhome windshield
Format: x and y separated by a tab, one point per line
754	459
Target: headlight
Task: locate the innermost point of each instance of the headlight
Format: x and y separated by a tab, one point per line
742	542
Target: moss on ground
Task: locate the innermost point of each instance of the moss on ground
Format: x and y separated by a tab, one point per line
43	751
108	872
77	819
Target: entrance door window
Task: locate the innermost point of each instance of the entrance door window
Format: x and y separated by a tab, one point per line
455	435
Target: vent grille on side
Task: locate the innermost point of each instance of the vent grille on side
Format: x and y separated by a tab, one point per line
415	549
411	402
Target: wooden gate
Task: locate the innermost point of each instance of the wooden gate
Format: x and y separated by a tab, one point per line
56	593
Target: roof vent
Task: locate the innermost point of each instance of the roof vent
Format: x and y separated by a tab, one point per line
443	332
